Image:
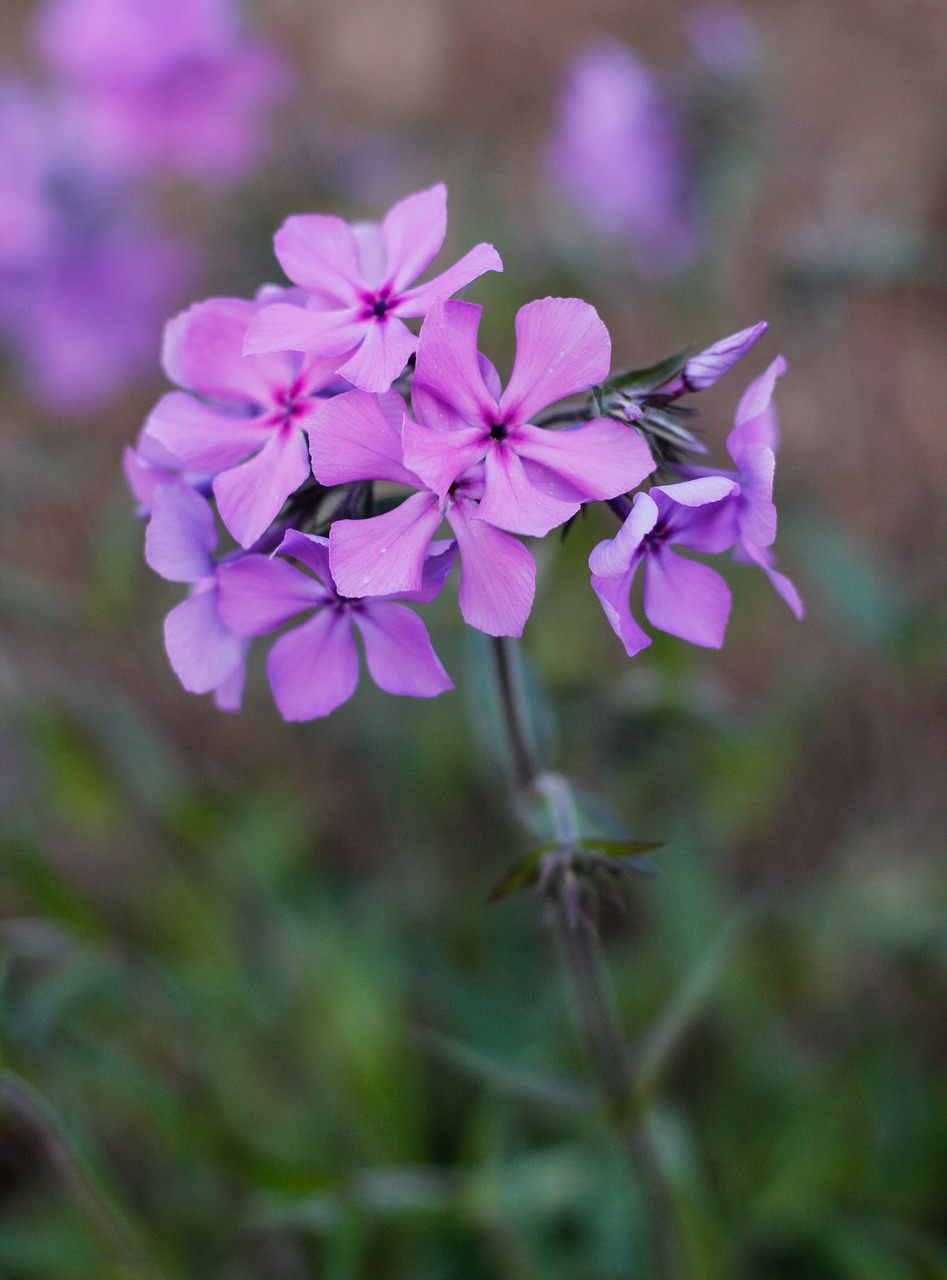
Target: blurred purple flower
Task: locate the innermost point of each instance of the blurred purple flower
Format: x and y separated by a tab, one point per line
681	596
163	84
360	281
314	668
84	280
723	38
619	155
179	544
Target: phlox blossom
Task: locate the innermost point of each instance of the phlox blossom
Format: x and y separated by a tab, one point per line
681	596
313	668
534	478
240	418
359	279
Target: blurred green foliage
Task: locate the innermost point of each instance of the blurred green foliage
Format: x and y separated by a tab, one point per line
251	1029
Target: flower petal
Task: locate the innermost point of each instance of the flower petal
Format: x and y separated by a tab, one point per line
686	598
259	593
282	327
613	557
613	594
602	459
783	585
562	347
314	668
708	366
203	652
437	458
357	436
311	550
498	574
384	554
398	651
413	232
204	439
419	300
229	694
756	511
381	355
320	253
249	497
511	502
181	535
448	390
203	351
755	419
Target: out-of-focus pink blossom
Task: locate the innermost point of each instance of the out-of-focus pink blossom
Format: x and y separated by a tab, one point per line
619	155
85	279
166	84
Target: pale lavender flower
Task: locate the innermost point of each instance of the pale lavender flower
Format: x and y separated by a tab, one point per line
84	319
85	279
681	596
204	652
314	668
359	279
619	155
752	445
171	84
534	478
240	418
358	436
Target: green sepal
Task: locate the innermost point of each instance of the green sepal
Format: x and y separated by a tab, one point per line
648	379
524	873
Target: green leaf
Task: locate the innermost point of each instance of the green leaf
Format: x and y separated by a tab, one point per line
522	874
525	870
647	379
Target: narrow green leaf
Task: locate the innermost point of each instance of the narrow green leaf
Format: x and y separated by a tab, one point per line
647	379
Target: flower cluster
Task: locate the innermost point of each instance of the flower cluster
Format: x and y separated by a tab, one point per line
339	448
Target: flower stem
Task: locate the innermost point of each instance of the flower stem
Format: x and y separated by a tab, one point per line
585	972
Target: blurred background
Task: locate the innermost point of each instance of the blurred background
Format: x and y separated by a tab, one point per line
256	1018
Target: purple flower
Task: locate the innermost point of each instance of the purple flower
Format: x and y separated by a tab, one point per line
358	436
84	279
619	155
360	282
681	596
179	544
314	668
84	320
163	83
752	445
534	478
247	430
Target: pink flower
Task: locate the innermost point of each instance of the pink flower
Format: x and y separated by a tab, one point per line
314	668
360	283
244	425
619	155
534	478
163	83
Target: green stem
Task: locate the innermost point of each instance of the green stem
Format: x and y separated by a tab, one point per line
583	964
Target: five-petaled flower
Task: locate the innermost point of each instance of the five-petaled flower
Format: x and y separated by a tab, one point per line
360	282
314	668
